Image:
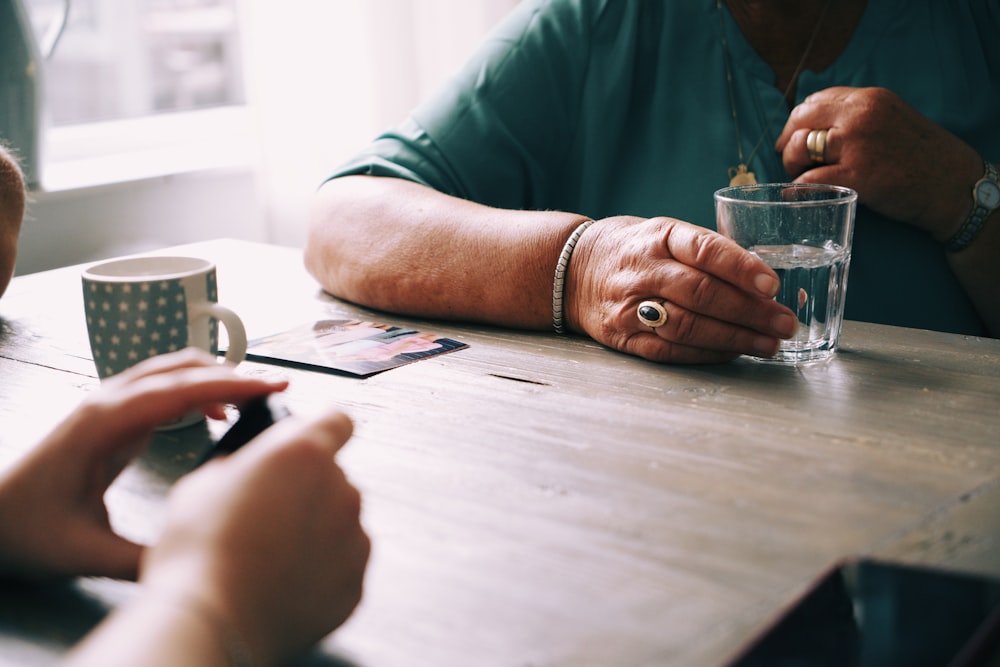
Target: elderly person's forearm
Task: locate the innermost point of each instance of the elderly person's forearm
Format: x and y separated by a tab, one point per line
396	245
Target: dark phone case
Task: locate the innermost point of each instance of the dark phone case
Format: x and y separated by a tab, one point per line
864	612
255	416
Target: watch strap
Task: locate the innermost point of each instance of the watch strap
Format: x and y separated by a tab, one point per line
973	224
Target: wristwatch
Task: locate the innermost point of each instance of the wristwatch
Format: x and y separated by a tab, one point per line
985	200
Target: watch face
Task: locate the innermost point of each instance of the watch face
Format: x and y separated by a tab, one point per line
988	194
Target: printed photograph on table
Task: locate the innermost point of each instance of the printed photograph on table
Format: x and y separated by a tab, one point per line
353	347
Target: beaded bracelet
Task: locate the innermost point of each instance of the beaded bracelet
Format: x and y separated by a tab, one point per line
559	283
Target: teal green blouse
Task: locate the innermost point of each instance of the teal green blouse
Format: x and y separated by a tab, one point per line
621	107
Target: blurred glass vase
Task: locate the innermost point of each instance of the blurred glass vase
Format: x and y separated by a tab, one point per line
22	55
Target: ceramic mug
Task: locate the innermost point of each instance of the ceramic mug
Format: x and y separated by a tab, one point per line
140	307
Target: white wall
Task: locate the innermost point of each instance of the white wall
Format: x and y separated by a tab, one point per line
323	79
326	77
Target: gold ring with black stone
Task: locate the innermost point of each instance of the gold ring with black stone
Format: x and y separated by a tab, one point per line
652	314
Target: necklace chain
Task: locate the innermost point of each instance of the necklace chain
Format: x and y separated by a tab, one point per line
740	174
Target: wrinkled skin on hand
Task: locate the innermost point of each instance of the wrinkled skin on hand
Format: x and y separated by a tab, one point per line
901	164
719	297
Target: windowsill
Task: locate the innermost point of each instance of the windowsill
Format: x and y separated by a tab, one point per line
119	152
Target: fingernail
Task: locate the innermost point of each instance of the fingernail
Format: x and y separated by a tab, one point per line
784	325
765	346
766	285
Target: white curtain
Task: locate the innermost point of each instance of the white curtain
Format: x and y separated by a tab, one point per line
325	76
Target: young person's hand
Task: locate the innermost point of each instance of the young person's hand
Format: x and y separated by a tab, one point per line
267	541
262	554
53	520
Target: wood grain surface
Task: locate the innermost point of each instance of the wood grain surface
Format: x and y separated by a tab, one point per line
539	500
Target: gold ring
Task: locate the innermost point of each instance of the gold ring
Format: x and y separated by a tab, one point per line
816	145
652	314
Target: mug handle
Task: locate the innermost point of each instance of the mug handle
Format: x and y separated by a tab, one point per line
237	350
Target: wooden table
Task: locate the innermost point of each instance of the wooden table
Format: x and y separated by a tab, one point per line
541	500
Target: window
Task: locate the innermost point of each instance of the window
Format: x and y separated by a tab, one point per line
114	60
137	89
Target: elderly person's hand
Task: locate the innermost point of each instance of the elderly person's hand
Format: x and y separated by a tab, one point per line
718	297
902	165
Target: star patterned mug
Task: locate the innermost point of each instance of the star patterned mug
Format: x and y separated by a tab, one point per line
141	307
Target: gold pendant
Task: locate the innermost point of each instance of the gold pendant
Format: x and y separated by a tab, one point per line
740	175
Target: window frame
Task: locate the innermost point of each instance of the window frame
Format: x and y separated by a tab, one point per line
130	149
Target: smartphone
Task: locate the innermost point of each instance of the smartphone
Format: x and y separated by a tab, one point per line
864	612
255	416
